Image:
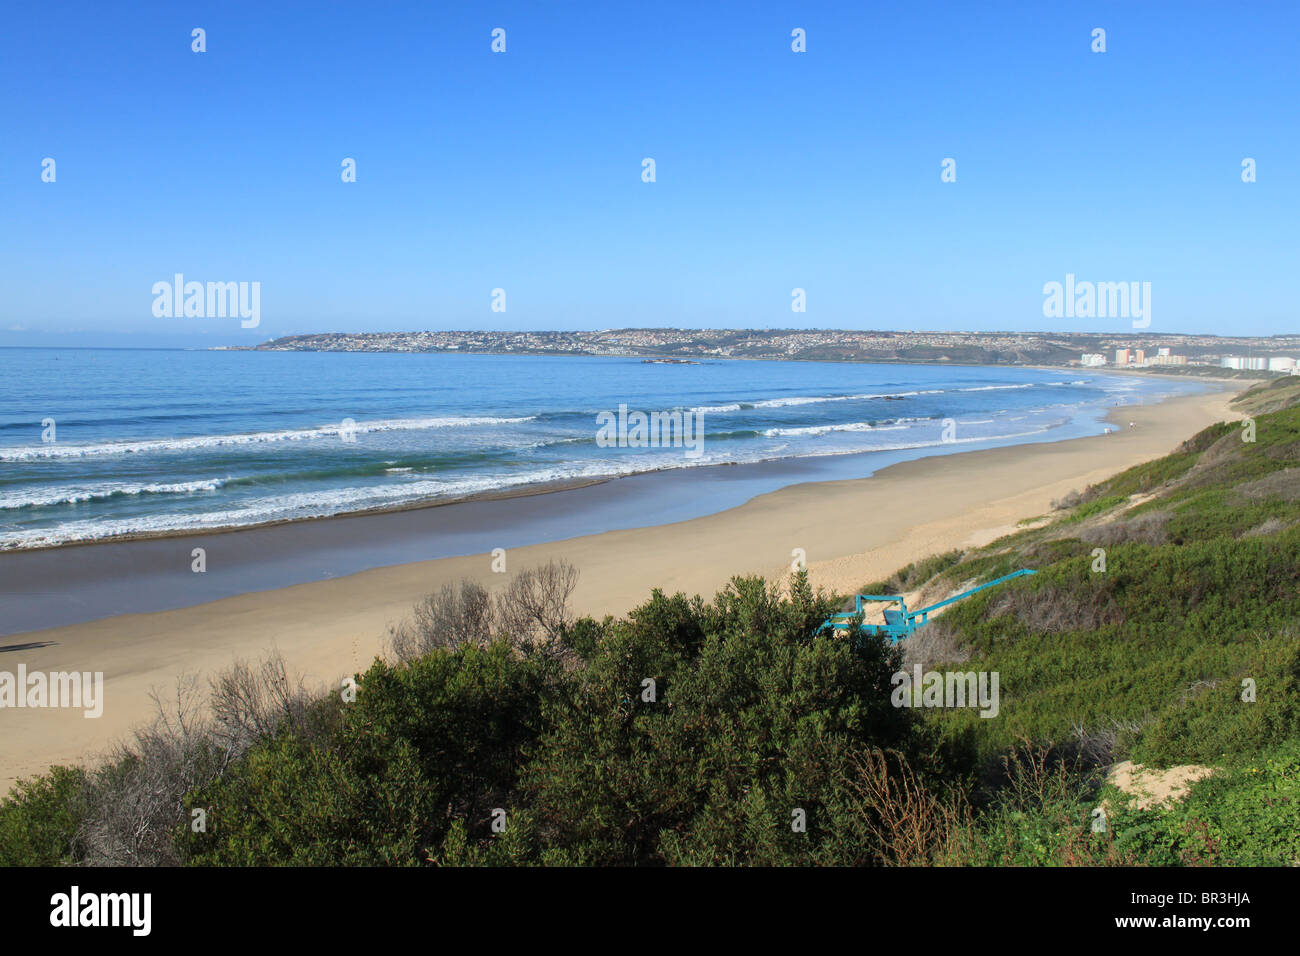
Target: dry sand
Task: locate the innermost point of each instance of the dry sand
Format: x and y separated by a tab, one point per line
852	531
1152	787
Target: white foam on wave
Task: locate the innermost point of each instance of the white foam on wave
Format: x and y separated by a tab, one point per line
716	409
796	400
319	504
71	495
402	487
36	452
311	504
890	426
818	399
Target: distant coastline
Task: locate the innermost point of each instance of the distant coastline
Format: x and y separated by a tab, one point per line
1200	353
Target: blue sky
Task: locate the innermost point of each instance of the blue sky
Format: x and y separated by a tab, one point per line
522	170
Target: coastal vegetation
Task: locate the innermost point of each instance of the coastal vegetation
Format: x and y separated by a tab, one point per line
1162	627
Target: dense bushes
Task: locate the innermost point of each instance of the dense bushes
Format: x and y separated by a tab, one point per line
753	719
40	819
426	743
688	733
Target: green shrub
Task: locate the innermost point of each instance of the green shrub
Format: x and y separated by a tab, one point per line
40	818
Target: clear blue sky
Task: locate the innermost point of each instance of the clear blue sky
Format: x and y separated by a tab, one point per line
523	171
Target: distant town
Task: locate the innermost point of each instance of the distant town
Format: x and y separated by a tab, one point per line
1172	352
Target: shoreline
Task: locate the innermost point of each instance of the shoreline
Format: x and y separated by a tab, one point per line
150	572
854	530
518	491
556	485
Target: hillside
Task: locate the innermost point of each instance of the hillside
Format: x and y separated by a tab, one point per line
1198	607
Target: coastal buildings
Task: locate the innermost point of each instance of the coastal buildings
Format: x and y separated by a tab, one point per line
1165	356
1138	358
1131	356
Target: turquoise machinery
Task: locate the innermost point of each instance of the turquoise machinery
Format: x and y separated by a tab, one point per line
899	621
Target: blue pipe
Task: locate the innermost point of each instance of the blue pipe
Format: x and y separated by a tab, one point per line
899	624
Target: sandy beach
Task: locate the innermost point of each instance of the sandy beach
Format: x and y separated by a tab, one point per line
852	531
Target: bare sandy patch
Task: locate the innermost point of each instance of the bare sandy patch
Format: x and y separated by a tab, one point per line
1151	787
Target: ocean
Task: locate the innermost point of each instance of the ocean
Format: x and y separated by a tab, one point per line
102	443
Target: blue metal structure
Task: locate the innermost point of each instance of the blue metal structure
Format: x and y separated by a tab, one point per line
900	622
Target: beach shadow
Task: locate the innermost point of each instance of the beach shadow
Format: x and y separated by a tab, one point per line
26	647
